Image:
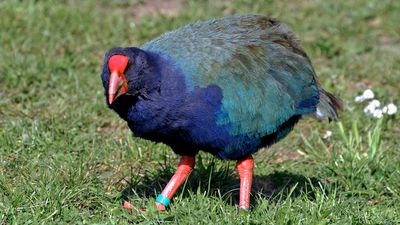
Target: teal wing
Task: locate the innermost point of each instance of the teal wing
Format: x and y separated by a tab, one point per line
265	76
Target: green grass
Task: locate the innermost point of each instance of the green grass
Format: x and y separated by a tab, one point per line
66	158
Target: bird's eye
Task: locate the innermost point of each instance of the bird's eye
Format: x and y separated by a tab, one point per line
128	66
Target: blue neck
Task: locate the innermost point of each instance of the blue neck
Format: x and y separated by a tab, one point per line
154	97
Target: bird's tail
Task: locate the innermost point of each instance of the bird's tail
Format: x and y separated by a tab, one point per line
328	106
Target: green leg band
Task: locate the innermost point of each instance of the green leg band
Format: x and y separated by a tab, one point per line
163	200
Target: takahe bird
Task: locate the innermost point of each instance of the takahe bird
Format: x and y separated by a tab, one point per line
228	87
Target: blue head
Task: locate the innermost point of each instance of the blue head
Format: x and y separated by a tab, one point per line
127	74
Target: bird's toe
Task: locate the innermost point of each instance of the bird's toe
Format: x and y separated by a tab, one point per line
160	206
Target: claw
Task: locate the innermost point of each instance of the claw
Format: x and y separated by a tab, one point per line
160	206
128	206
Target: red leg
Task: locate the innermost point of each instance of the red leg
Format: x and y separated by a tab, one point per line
245	170
185	166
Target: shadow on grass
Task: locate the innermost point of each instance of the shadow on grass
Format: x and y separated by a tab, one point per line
224	183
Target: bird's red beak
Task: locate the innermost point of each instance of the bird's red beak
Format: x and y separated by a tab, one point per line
117	84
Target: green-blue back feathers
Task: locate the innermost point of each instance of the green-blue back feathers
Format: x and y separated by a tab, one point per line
265	76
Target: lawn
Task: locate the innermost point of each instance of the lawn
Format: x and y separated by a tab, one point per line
65	158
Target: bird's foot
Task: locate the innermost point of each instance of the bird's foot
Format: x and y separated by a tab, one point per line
243	209
128	206
160	206
185	166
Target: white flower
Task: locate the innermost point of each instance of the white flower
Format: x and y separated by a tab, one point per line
369	109
377	113
372	106
359	98
374	103
327	134
368	94
390	109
